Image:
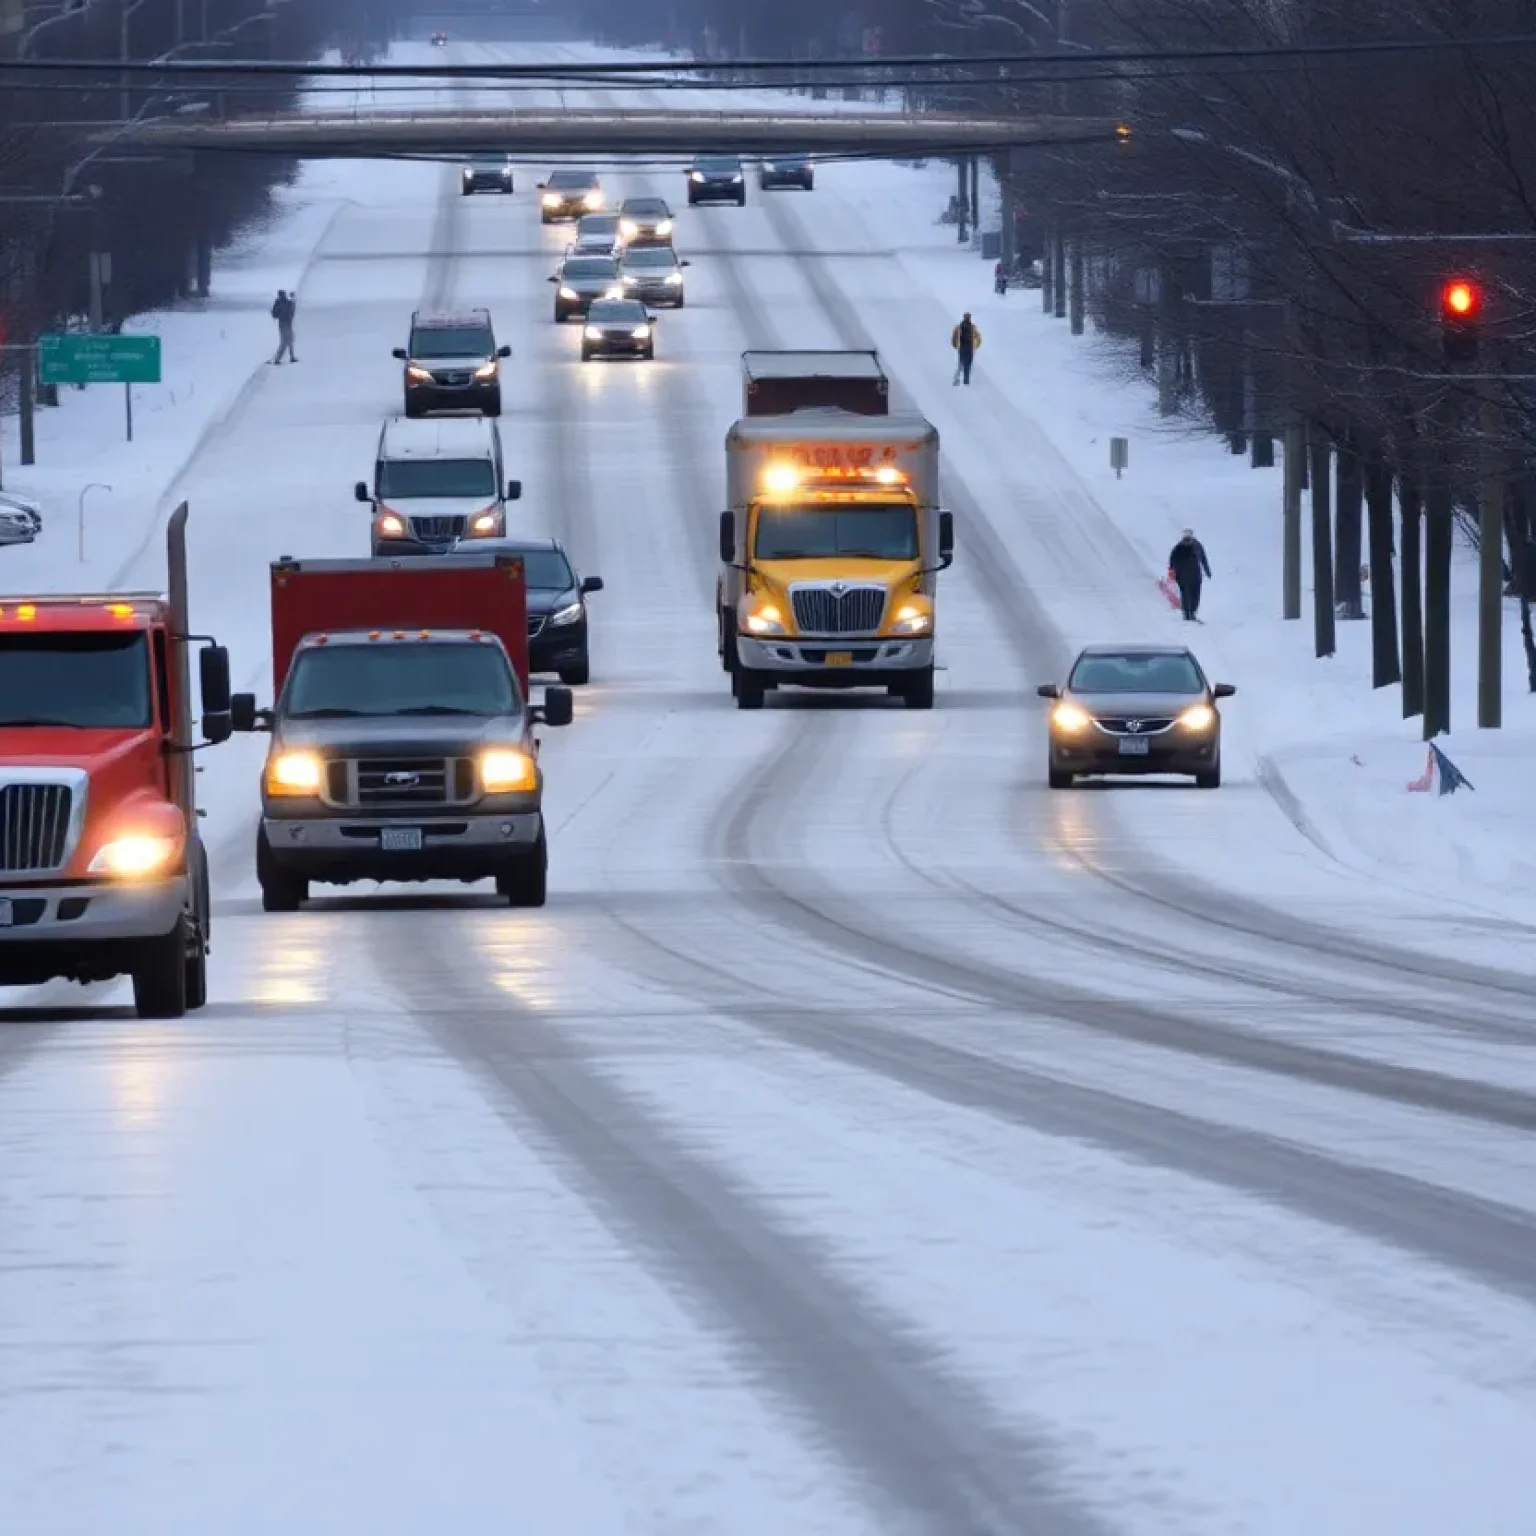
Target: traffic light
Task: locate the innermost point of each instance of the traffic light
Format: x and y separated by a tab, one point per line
1461	309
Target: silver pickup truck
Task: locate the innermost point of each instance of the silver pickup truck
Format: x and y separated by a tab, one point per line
401	757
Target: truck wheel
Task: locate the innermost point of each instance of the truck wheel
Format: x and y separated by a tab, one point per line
1211	780
579	675
526	883
1058	778
160	974
197	978
727	645
492	406
749	688
917	691
281	890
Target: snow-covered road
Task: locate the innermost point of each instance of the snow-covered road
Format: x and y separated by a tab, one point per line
862	1140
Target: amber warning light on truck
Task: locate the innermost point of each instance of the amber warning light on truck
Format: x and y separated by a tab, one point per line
786	477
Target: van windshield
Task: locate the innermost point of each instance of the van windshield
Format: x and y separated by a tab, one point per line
878	532
451	341
444	678
93	681
408	479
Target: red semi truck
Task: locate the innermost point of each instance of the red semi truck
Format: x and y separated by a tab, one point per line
103	872
402	732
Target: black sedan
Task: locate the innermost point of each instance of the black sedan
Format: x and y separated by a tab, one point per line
581	281
645	221
557	606
1138	710
487	173
618	328
569	195
787	171
717	179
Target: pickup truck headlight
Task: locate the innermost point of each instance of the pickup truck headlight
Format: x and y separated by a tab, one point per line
567	615
135	857
766	620
486	524
294	773
912	620
504	771
391	527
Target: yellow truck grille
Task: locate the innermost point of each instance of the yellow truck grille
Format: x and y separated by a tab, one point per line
828	611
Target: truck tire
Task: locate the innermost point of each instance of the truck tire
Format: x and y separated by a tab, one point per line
917	691
577	676
1059	778
1211	780
526	883
160	974
281	890
750	690
727	644
492	406
197	978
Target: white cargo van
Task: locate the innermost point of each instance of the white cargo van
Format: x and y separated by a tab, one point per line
437	480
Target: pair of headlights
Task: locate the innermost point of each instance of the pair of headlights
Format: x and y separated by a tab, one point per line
301	775
392	526
911	620
1072	719
424	375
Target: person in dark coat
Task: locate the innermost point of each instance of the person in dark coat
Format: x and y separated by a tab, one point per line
283	310
1189	567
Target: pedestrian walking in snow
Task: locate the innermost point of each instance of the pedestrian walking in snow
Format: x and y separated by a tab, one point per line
1000	279
1188	567
966	340
283	311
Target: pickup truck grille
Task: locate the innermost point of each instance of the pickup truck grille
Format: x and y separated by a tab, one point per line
820	611
34	826
434	528
398	783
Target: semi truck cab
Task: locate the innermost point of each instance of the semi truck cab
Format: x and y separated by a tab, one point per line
102	867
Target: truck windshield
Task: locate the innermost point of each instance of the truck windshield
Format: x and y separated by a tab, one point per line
814	532
400	679
406	479
92	681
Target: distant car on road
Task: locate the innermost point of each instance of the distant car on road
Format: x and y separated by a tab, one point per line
597	234
652	273
21	519
452	363
439	39
488	172
645	221
618	328
568	195
1137	710
579	280
557	606
717	179
787	171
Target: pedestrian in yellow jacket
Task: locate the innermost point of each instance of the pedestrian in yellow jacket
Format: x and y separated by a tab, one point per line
965	339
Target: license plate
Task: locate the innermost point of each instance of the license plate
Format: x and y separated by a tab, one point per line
839	658
1134	746
400	839
7	914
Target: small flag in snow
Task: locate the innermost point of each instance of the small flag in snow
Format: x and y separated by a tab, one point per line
1451	777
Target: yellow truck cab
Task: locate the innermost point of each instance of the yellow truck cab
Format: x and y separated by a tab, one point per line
833	539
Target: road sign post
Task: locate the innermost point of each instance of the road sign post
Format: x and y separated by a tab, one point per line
74	358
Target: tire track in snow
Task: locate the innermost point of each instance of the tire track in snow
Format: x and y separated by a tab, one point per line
926	1444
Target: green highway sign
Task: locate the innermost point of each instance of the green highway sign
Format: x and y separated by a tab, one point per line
77	358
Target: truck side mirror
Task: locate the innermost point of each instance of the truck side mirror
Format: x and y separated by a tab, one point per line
503	351
360	490
559	707
728	538
946	540
243	713
591	584
401	353
514	490
1223	691
685	263
213	682
1048	691
553	278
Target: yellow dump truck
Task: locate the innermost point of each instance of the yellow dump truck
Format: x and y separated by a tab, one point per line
834	537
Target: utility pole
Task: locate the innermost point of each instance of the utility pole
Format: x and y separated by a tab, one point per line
1410	561
1294	469
1323	633
1437	579
1490	575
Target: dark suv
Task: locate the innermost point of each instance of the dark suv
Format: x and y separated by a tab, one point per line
787	171
717	179
452	363
569	195
487	170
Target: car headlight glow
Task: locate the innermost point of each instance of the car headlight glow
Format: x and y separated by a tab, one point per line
628	228
912	620
486	371
593	199
567	615
641	332
415	371
391	527
567	293
665	227
697	176
766	620
1201	717
486	523
135	856
593	333
735	178
674	278
1068	717
506	771
294	773
551	199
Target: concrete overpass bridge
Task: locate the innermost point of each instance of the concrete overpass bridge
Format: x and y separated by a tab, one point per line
541	132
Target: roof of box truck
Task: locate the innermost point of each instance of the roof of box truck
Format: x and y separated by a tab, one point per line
823	425
804	365
436	437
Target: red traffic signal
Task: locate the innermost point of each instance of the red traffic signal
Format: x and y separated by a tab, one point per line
1461	299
